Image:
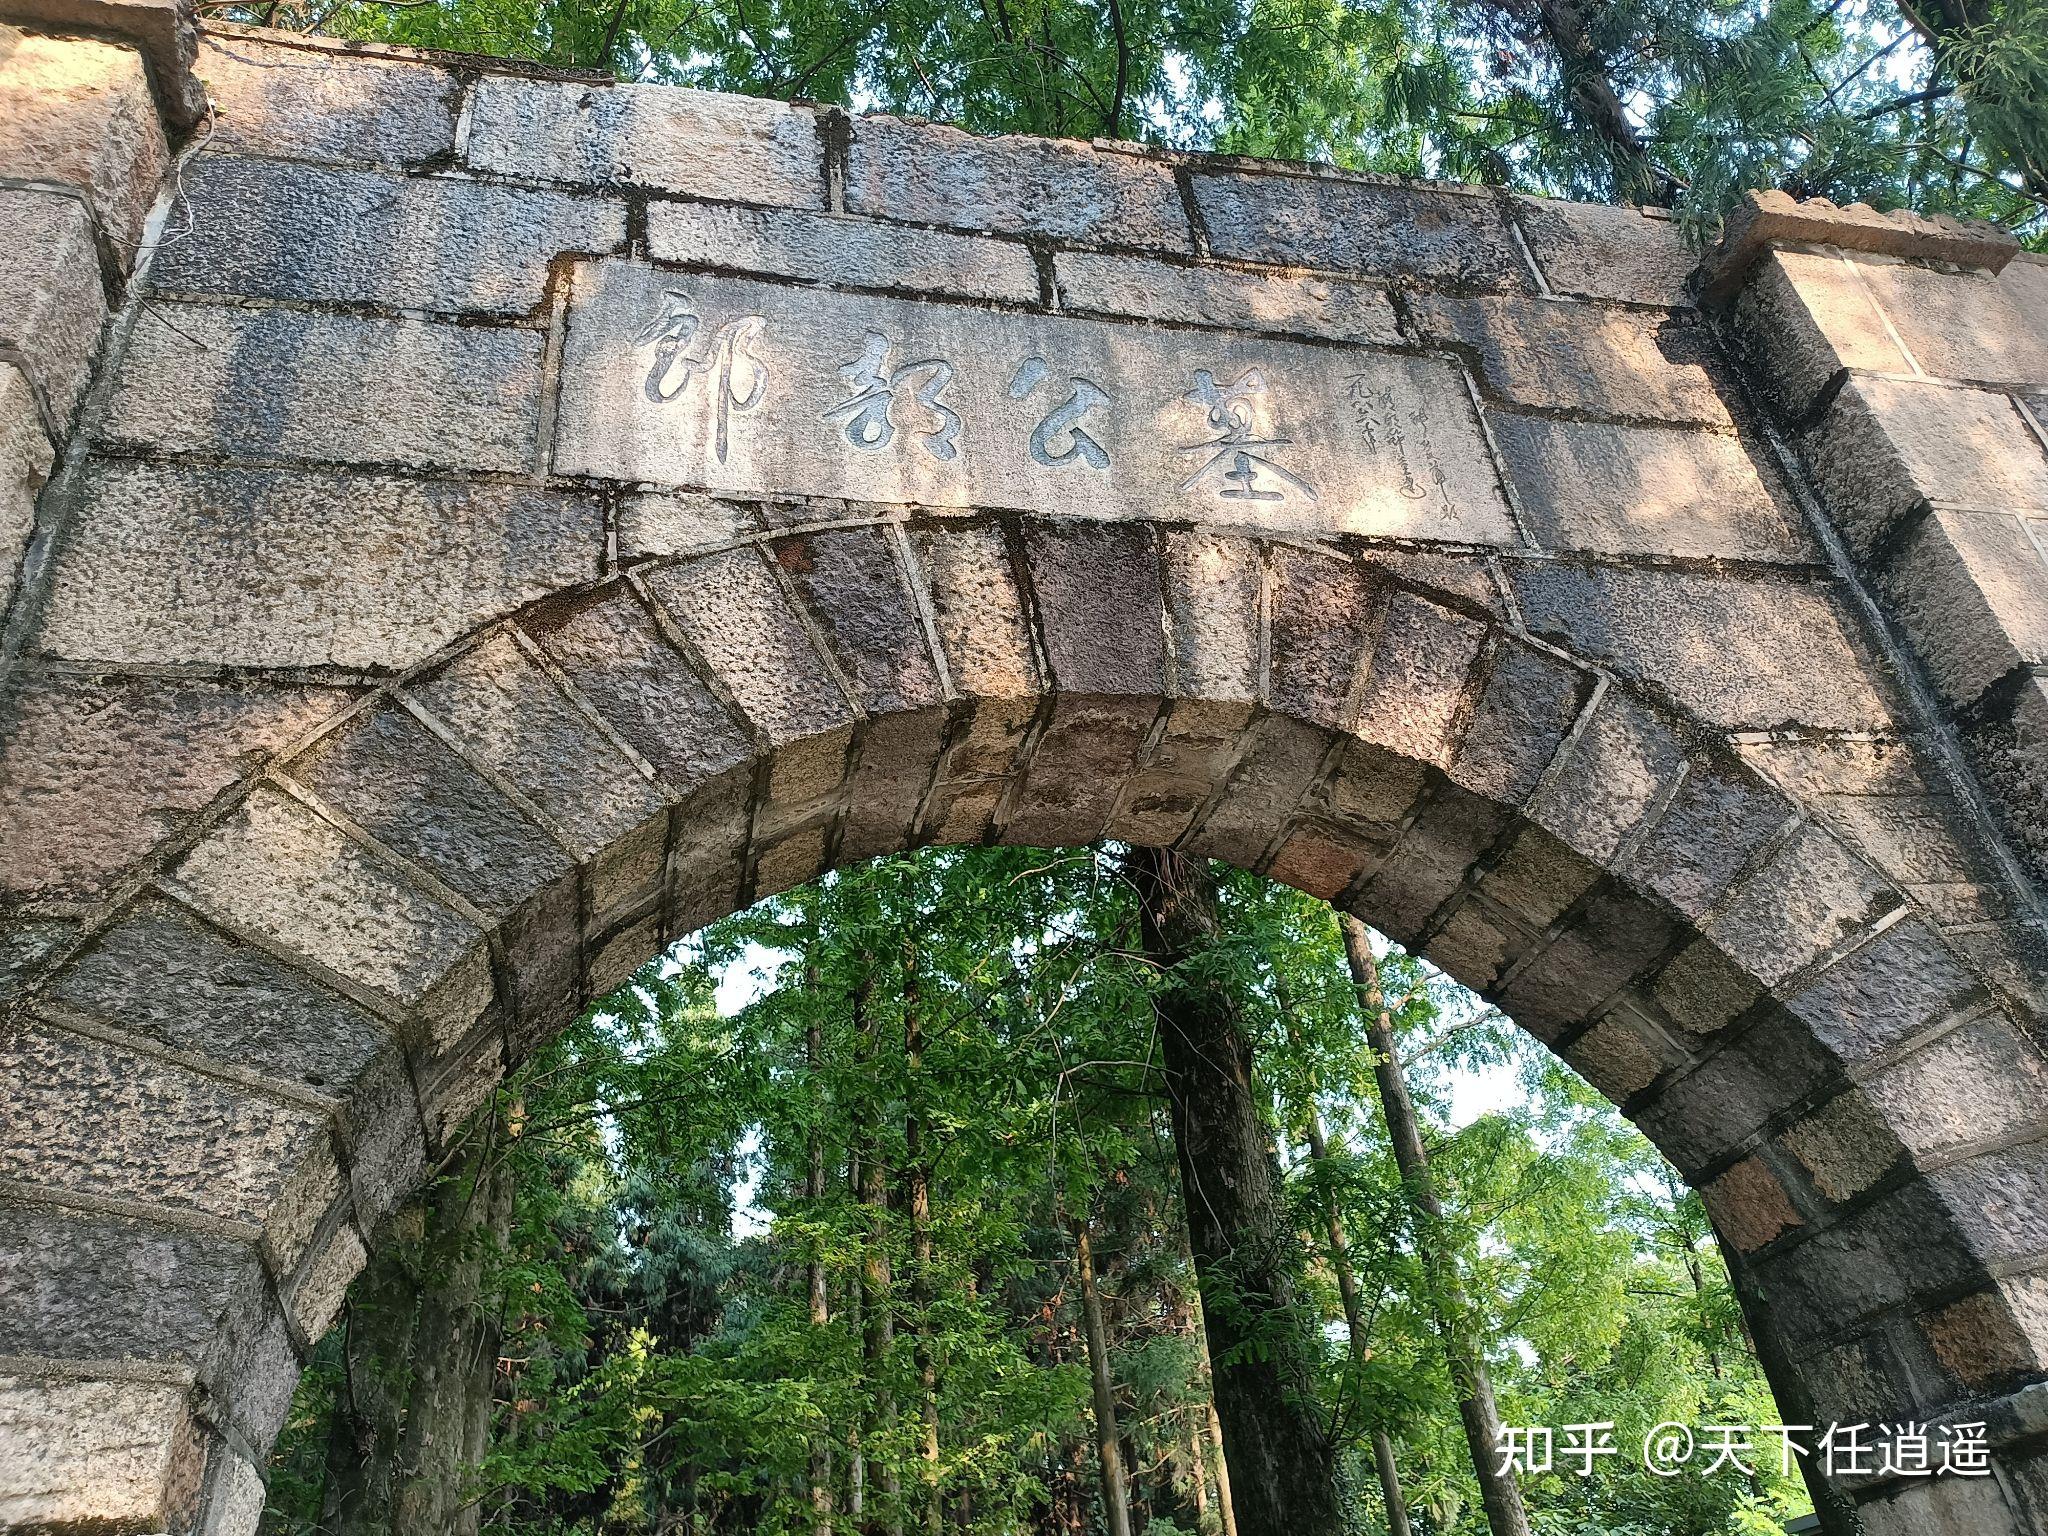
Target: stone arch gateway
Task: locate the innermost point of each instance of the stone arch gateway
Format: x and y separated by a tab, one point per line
465	529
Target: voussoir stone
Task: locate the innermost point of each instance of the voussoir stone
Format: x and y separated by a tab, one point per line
52	301
79	113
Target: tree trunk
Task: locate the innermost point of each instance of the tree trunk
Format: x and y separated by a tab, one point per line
1469	1377
1108	1456
878	1314
919	1176
369	1413
1282	1470
1355	1330
821	1305
455	1350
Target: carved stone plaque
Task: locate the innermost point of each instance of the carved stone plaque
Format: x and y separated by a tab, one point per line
752	388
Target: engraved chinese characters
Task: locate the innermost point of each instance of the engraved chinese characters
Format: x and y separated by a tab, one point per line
753	388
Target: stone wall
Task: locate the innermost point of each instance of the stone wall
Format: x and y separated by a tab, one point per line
518	520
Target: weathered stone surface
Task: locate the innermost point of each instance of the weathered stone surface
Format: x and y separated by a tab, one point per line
209	565
1888	446
844	251
1326	612
1345	225
79	113
91	1287
642	687
391	777
1804	317
1527	704
968	408
98	1120
2009	750
1412	698
1604	489
1750	1207
928	173
95	773
1100	636
512	719
1936	1098
1090	282
315	103
119	1454
693	142
1702	991
1616	363
743	624
1212	604
279	383
679	523
1844	1146
854	581
276	869
1716	819
1971	589
25	459
1734	652
1591	251
26	943
1763	219
1901	983
163	973
1971	326
1810	896
281	230
52	303
978	611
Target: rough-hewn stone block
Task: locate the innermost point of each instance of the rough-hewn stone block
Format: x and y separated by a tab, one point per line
119	1455
1580	357
1903	982
978	611
210	565
742	622
642	687
52	302
96	773
25	459
1805	899
280	383
1098	606
1977	1083
79	113
1346	225
1972	326
854	582
1718	817
1591	251
1844	1146
98	1120
1412	698
696	143
282	230
1738	653
679	523
1971	589
844	251
1326	612
1750	1207
1212	605
2008	745
1281	760
1090	282
511	718
327	104
276	869
161	972
1889	446
1604	489
927	173
1804	317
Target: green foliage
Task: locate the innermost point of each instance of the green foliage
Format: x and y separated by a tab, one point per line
660	1362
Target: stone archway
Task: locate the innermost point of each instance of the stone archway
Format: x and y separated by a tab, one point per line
407	649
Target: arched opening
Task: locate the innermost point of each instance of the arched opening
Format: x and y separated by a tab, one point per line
265	1043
